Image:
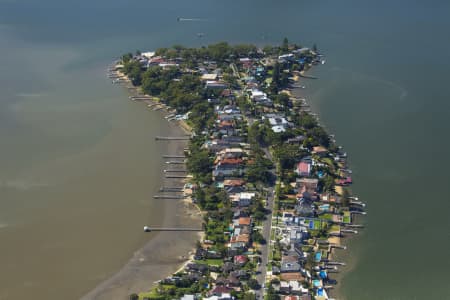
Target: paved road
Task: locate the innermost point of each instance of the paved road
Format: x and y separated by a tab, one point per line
267	226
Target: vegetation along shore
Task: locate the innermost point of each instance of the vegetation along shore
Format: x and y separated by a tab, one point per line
272	185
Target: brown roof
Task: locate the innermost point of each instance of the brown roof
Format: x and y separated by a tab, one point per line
231	161
245	221
243	238
319	149
233	182
292	276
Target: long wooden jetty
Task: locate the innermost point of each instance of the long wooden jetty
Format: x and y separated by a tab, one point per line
175	162
307	76
148	229
172	138
171	189
175	171
173	156
178	176
167	197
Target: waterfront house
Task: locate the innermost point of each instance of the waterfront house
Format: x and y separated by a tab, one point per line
320	151
296	140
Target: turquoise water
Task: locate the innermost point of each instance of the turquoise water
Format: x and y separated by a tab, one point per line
70	144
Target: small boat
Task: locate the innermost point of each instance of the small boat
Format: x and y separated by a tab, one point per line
147	229
323	62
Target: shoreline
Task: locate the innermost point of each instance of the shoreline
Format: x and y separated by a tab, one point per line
338	216
157	256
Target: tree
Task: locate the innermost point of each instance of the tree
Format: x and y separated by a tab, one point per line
253	284
271	294
258	237
285	45
249	296
134	296
199	163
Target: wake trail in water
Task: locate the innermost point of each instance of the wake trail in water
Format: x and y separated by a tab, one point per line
190	20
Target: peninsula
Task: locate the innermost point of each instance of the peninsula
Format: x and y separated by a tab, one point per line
271	183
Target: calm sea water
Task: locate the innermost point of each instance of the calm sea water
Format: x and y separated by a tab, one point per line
78	163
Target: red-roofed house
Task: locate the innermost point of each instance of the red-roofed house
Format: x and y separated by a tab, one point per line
304	168
240	259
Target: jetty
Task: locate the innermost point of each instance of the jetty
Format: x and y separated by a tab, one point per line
168	197
173	156
175	162
171	189
178	176
308	76
149	229
175	171
172	138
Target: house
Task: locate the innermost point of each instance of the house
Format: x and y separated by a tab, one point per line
344	181
292	276
239	241
307	185
259	97
298	234
198	268
320	150
240	274
292	287
216	85
234	186
228	167
188	297
243	199
304	167
219	291
278	129
296	140
290	266
209	77
226	127
240	260
233	281
245	221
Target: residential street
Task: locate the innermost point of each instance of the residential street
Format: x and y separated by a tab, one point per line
267	226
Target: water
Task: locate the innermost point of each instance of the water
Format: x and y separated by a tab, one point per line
78	166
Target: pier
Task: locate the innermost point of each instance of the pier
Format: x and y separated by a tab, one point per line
149	229
358	203
175	171
338	246
175	162
356	212
173	156
172	138
178	176
171	189
353	225
168	197
308	76
336	263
